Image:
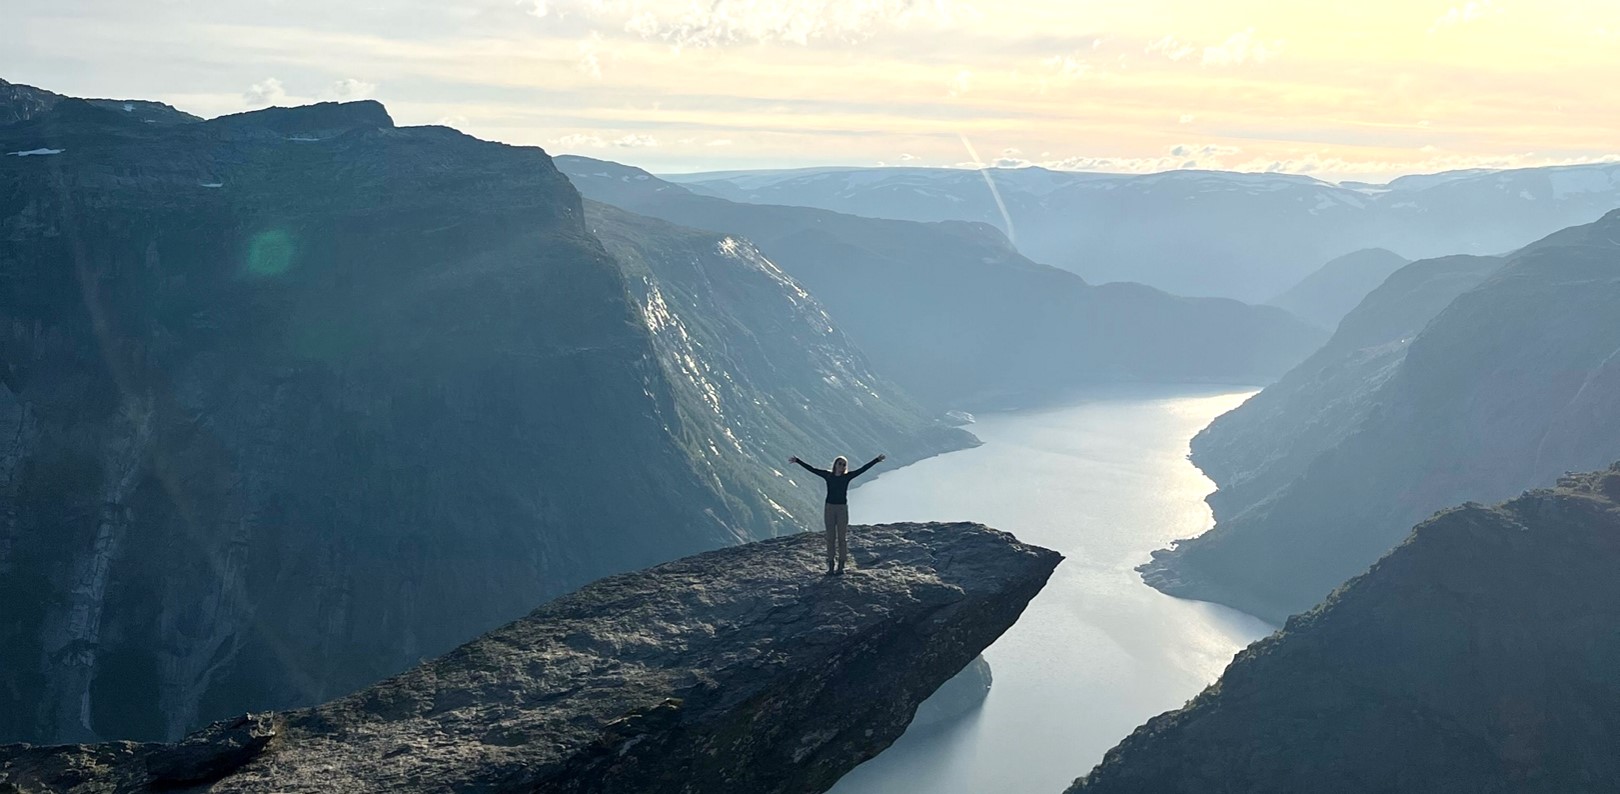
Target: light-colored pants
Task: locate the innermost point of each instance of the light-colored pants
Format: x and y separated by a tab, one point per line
837	520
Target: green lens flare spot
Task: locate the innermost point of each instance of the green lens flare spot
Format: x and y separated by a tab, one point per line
270	253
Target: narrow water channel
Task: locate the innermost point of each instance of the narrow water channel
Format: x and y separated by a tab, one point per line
1105	481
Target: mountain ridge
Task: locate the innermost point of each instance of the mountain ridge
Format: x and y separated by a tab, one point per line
958	318
1513	382
1255	234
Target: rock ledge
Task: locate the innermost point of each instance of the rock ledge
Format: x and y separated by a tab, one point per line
742	670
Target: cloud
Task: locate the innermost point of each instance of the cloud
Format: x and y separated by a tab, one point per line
906	158
719	142
455	122
1465	14
1170	48
1067	65
961	83
349	89
585	140
1206	150
715	23
1074	64
1186	118
579	141
538	9
1240	48
265	92
589	62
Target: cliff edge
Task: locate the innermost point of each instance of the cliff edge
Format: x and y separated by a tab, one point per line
743	669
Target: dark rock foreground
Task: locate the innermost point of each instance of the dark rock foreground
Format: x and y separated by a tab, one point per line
1478	657
739	670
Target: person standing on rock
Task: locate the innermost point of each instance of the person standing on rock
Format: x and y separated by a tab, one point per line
836	516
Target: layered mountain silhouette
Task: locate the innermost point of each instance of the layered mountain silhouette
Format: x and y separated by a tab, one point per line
293	399
1514	382
1478	656
1255	450
1327	295
955	315
1194	232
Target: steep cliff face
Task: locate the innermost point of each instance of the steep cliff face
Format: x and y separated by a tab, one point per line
956	316
760	360
1514	383
1257	448
740	670
294	399
1478	656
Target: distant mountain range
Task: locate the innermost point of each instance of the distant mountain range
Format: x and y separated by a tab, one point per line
1459	379
295	398
1480	656
955	315
1238	235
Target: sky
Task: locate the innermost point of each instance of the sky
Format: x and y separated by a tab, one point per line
1338	90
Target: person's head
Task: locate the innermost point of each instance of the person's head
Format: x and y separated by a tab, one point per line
840	465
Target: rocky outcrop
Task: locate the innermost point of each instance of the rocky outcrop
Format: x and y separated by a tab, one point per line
1515	382
740	670
294	399
955	315
1479	657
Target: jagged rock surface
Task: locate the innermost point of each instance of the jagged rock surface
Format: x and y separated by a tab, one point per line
1478	657
739	670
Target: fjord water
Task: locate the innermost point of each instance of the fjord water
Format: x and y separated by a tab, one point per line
1104	481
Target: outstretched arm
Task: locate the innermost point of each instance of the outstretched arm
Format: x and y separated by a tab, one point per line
822	473
869	464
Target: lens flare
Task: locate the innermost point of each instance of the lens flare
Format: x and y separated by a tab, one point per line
270	253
